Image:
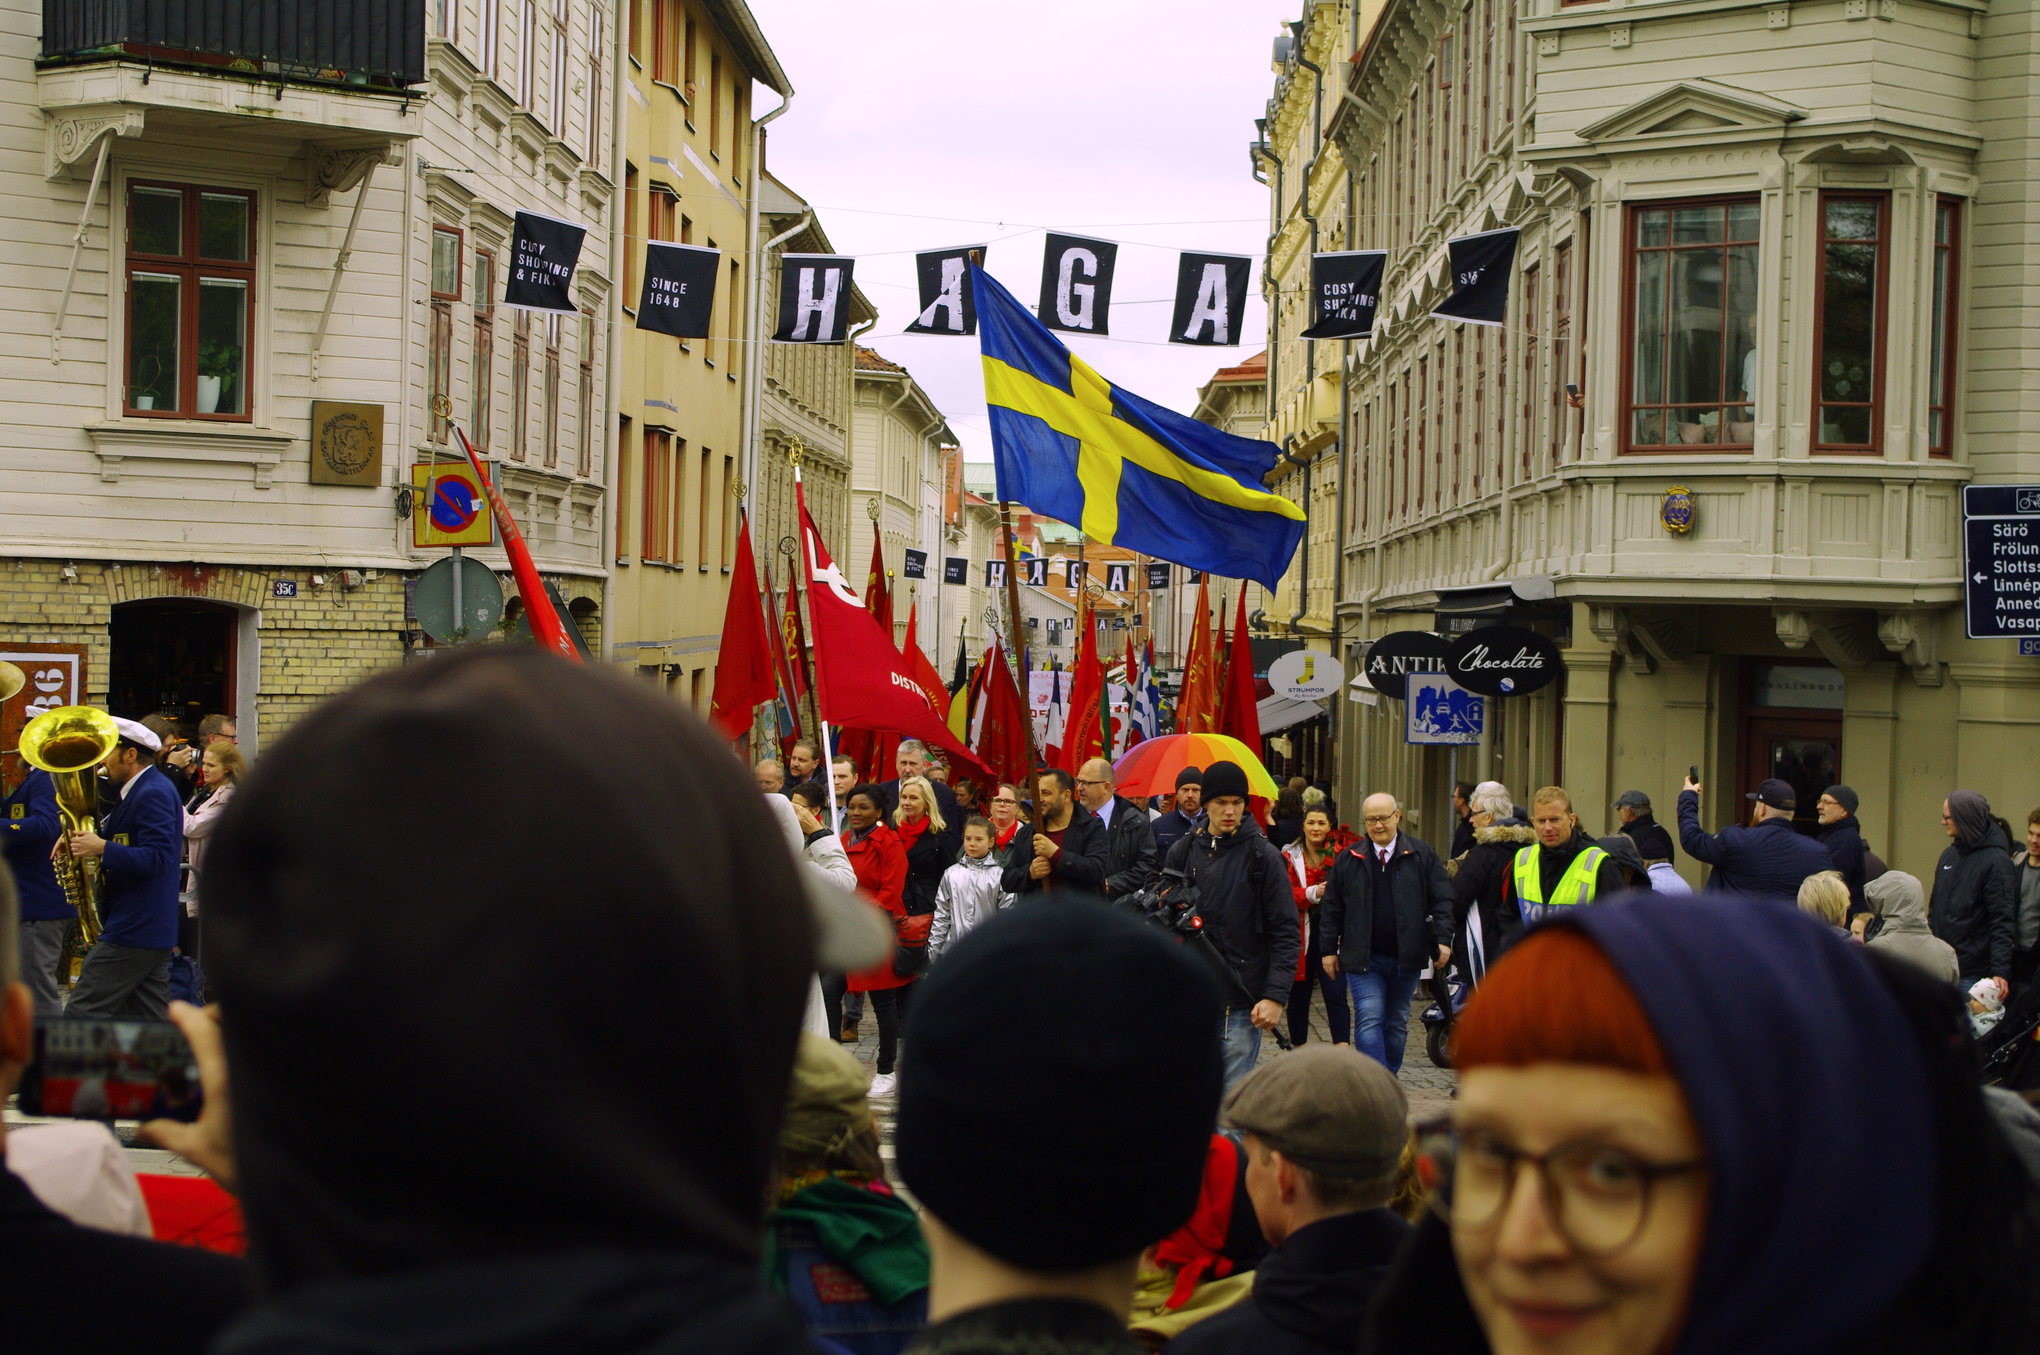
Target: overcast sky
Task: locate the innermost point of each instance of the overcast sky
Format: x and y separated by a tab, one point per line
918	124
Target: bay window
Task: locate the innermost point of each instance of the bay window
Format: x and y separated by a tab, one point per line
1693	373
1941	386
1849	323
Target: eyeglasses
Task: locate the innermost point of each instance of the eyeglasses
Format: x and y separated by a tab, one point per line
1380	818
1084	782
1004	800
1598	1197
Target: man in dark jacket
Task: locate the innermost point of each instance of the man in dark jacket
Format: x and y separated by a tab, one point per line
1769	857
1174	824
30	829
1843	838
1130	860
73	1288
1064	848
1462	813
1653	843
911	760
1249	913
1972	908
1564	869
139	844
1387	913
1324	1133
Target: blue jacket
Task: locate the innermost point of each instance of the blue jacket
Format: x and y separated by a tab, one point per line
1771	859
32	826
139	875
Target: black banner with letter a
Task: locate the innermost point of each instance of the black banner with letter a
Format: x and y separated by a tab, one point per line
1211	299
947	305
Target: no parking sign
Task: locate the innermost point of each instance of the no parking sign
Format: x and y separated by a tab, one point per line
448	509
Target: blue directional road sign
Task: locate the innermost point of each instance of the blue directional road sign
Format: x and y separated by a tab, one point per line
2001	561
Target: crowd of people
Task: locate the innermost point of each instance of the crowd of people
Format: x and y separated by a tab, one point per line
560	1077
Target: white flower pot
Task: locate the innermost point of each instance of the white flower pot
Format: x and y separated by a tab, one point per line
145	402
208	394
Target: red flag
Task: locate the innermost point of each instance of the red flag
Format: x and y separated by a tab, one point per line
1240	715
878	592
921	670
1197	705
788	723
544	618
795	640
1082	738
743	668
859	677
1003	732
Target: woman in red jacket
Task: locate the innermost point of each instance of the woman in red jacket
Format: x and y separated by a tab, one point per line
880	860
1310	858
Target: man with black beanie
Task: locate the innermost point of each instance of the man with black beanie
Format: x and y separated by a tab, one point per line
1053	1123
1173	824
1842	835
1249	912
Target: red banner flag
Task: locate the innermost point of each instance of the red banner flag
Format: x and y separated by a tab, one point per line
921	670
1241	714
1197	705
1084	735
544	618
743	667
1000	726
859	677
795	638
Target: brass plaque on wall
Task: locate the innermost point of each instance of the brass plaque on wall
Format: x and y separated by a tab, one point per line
347	442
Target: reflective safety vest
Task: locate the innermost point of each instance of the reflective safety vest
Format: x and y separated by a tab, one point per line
1575	887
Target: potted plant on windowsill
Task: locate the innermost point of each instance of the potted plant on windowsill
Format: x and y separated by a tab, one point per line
218	364
142	391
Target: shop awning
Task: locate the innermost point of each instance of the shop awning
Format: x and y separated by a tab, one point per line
1280	712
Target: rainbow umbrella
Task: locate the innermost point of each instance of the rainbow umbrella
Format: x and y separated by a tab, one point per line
1150	766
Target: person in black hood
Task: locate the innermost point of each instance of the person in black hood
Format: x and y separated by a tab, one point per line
1653	843
441	1144
1972	907
1324	1130
1843	837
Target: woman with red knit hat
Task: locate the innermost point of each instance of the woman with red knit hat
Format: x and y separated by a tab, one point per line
1715	1127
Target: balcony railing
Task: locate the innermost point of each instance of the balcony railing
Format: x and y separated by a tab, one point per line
364	43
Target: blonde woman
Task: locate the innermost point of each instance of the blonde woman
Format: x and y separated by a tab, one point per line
1826	896
932	846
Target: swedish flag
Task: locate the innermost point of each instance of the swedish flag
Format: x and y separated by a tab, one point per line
1069	444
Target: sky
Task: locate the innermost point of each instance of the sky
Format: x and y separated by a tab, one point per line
918	124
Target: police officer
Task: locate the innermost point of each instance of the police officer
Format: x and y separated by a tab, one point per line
31	828
1562	869
127	971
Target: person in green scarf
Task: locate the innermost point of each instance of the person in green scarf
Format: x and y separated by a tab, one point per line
839	1242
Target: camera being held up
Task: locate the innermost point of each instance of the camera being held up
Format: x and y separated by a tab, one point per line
1170	903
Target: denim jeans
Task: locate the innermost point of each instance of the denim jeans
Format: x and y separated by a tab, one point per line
1381	1008
1242	1045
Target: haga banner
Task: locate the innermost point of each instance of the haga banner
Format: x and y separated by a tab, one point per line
946	303
1211	299
995	573
814	298
543	252
1345	289
916	566
1158	576
1480	277
1118	578
1076	283
1074	572
1034	572
956	569
679	290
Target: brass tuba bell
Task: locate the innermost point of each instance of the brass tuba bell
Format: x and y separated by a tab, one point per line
12	680
69	742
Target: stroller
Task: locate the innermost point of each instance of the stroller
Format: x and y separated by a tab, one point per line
1450	991
2011	1050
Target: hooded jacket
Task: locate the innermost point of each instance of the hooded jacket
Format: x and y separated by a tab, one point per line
1896	898
1974	902
1480	883
969	893
1771	859
1653	843
1249	913
1423	904
1310	1294
1079	866
1844	842
1131	858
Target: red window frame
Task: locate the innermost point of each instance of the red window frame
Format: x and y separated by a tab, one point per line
1947	302
1630	251
190	266
1880	320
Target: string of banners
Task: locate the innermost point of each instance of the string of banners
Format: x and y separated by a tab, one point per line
1034	573
677	297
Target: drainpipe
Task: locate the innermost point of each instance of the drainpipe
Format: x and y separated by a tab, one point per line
613	377
757	298
1275	302
1303	194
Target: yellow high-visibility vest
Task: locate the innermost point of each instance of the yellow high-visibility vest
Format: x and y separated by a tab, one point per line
1575	887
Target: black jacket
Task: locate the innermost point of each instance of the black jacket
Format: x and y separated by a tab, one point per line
1844	842
1771	859
1310	1294
1479	884
1131	859
1249	912
1033	1326
1080	865
1650	837
1462	837
69	1288
1171	828
931	854
1975	904
1423	905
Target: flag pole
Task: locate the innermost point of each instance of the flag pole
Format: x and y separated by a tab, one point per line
821	723
1013	624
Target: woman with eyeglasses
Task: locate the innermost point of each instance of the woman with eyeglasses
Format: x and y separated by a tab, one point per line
1006	818
1716	1128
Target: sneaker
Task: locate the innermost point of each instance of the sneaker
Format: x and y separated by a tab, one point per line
883	1086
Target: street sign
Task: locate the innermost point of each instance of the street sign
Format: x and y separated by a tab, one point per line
1440	711
1504	661
2001	561
449	509
2030	648
1391	659
481	600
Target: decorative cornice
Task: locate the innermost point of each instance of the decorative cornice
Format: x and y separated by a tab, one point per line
69	138
259	449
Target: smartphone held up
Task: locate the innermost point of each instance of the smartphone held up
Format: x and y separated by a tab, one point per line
89	1069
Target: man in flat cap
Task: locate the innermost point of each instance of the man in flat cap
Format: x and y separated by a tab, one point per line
126	974
1324	1128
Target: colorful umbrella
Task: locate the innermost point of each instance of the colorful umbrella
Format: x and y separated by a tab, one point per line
1150	766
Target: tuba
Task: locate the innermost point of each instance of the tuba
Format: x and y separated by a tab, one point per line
69	742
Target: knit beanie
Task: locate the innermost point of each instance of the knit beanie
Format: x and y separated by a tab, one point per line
1843	796
1224	778
1064	1077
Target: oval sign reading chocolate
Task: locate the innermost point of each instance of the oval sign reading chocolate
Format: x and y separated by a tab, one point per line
1503	661
1391	659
